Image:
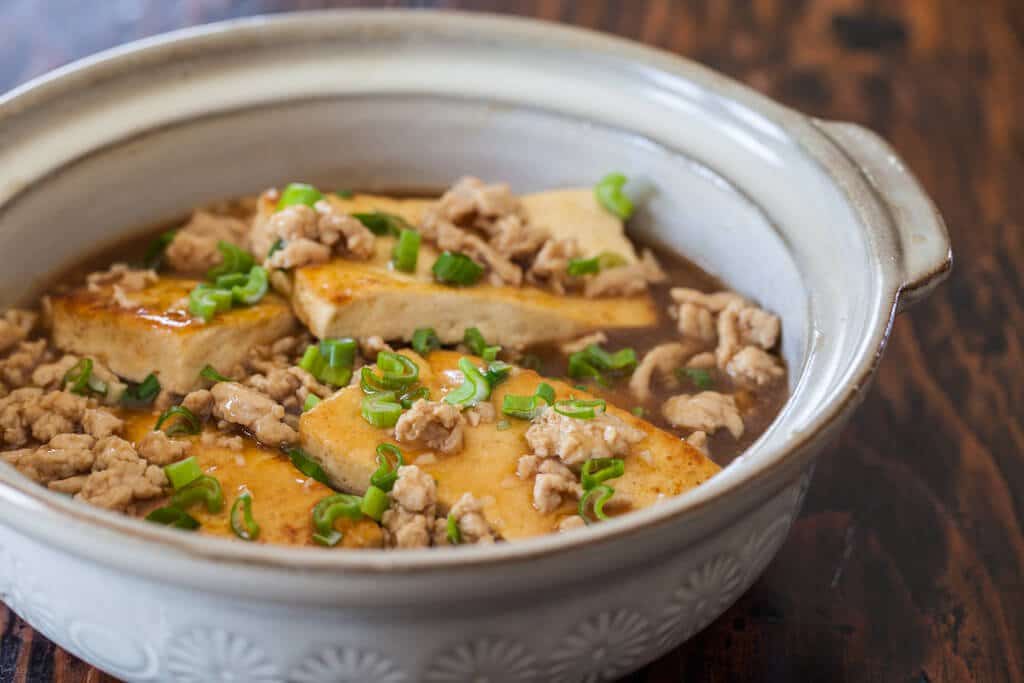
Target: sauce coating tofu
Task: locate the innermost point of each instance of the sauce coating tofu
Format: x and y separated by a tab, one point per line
335	434
367	298
156	333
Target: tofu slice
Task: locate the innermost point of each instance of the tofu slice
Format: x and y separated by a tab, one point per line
158	334
335	434
366	298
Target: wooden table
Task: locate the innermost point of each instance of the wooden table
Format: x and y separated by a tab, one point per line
907	563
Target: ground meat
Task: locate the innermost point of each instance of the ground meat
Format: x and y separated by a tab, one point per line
120	477
124	280
583	342
410	521
16	370
30	414
570	523
299	252
66	455
704	360
436	424
482	413
699	440
715	303
729	340
695	322
554	482
371	346
628	280
260	415
576	441
502	270
660	363
471	202
194	247
342	230
551	266
707	411
217	440
159	449
759	328
101	423
15	326
756	367
50	376
311	235
199	403
468	513
527	466
515	238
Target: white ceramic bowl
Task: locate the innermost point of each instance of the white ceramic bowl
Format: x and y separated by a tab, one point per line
819	221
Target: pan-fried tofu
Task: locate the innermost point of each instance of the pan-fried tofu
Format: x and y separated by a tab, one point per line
154	332
367	298
335	434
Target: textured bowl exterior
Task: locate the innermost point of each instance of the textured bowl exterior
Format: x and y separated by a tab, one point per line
407	98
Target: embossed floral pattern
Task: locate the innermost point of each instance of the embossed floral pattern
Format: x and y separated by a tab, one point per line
205	655
602	648
761	546
347	665
485	660
704	594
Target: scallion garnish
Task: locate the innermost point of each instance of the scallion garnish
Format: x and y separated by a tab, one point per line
299	193
344	194
210	373
595	499
205	489
453	268
407	250
610	195
206	301
476	343
531	362
242	522
230	280
328	510
370	382
522	407
546	392
639	411
474	388
375	502
80	380
183	421
396	371
452	531
142	393
425	340
381	223
599	470
595	363
594	265
387	473
233	260
154	256
277	246
700	377
497	372
580	409
253	289
381	410
330	361
410	397
312	401
309	467
174	518
183	472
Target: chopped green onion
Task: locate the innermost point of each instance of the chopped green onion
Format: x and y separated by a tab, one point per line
381	410
375	502
183	421
396	371
80	380
700	377
309	467
387	474
142	393
502	425
580	367
610	195
476	343
154	256
242	522
639	411
594	265
328	510
208	372
383	224
453	268
231	280
580	409
205	301
205	489
330	361
254	288
233	260
497	372
277	246
474	388
173	517
546	392
522	407
299	193
595	497
595	363
410	397
371	383
340	352
425	340
344	194
183	472
312	401
531	362
407	250
453	532
599	470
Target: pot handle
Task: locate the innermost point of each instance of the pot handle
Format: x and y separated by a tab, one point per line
921	234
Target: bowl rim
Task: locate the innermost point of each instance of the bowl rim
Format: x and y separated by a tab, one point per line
778	465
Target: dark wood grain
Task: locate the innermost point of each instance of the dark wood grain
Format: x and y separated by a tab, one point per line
908	562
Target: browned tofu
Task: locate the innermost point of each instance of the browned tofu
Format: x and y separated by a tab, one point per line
335	434
366	298
156	333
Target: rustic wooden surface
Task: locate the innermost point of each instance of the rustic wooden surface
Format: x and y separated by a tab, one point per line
907	562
